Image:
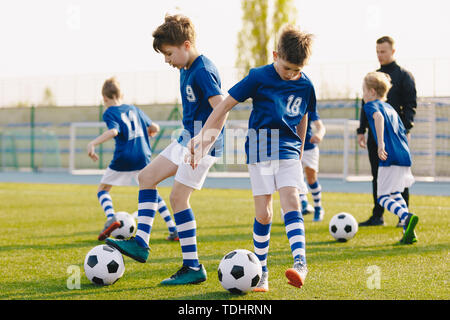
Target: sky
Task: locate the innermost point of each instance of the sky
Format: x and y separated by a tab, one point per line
66	37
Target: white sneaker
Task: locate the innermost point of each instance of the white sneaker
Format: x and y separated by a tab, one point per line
263	284
297	274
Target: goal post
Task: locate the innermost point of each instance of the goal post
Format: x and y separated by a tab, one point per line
73	150
336	150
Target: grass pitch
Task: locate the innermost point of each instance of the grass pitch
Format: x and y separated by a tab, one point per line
47	229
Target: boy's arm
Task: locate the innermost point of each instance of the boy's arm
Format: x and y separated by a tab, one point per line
320	131
105	136
379	128
301	131
202	142
153	129
215	100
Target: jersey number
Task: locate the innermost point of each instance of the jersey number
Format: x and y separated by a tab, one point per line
190	94
293	105
133	125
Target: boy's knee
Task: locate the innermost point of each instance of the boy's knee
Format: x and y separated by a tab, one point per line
177	198
145	179
264	218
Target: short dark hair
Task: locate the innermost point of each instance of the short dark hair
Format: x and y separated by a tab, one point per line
294	45
175	30
386	39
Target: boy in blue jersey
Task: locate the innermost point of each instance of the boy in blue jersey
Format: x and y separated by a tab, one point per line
131	128
282	97
310	162
200	88
394	169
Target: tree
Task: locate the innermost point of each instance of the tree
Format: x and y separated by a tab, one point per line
256	33
49	99
284	12
254	36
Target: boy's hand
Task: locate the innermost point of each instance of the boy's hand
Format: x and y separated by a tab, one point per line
316	138
196	151
91	152
382	154
361	140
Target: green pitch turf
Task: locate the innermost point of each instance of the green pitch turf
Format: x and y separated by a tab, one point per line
47	229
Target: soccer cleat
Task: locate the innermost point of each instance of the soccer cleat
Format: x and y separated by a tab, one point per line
372	221
409	235
173	236
110	225
130	248
263	284
186	275
297	274
318	214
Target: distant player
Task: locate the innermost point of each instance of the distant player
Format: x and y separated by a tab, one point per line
131	128
200	88
310	162
394	169
282	96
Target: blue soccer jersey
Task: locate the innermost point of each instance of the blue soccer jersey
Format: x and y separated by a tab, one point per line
278	107
197	84
395	140
312	116
132	148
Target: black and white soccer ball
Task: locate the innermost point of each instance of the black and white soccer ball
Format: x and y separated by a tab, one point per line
127	226
343	226
104	265
239	271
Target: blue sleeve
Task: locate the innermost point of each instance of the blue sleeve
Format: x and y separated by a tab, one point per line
313	116
147	121
312	104
208	83
245	88
111	123
370	108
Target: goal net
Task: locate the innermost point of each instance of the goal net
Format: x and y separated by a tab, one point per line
339	154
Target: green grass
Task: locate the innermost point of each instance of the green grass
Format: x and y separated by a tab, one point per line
46	228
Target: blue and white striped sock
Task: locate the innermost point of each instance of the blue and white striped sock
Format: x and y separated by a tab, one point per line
261	238
187	229
165	214
148	202
316	192
393	206
397	196
295	231
106	202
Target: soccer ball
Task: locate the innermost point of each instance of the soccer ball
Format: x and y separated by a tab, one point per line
127	226
104	265
343	226
239	271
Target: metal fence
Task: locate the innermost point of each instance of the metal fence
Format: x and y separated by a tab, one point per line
41	138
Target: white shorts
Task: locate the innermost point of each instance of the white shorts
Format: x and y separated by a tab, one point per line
268	176
393	179
120	178
310	159
176	153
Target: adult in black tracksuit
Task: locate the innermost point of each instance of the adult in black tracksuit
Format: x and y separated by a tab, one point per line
403	98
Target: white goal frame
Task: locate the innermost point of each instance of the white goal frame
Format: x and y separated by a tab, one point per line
72	147
348	126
